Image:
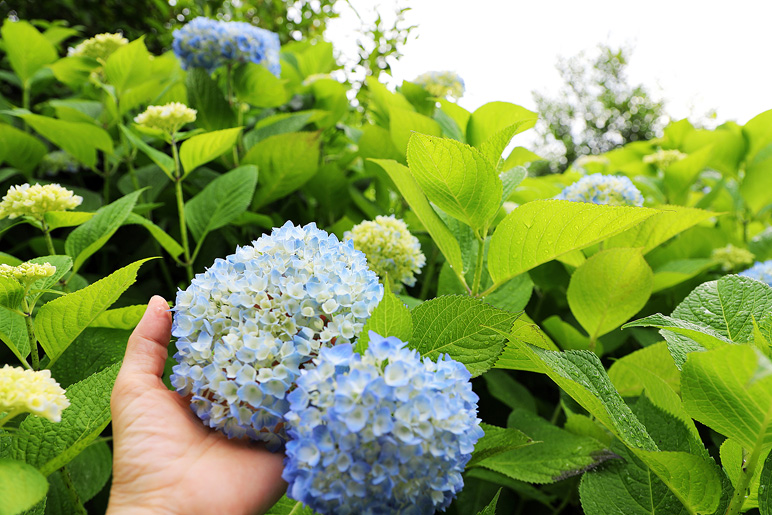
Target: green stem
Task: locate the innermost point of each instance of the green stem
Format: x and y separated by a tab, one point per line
74	497
181	211
9	416
25	102
746	473
428	275
593	340
479	268
49	241
33	343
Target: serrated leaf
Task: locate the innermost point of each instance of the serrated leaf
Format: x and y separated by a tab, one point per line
27	49
21	487
287	506
542	230
513	295
511	179
655	359
706	336
494	146
494	117
678	271
496	441
19	149
164	162
390	318
404	124
669	221
58	219
63	265
89	237
128	66
202	148
13	332
491	508
733	462
502	387
513	357
765	494
91	469
608	289
463	327
415	198
120	318
61	320
205	96
80	140
48	445
11	293
95	349
221	201
255	85
457	178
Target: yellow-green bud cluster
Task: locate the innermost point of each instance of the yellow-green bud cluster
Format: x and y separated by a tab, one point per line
27	391
169	118
664	158
99	47
28	273
36	200
733	258
442	84
390	249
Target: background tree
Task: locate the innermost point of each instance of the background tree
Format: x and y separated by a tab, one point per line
597	109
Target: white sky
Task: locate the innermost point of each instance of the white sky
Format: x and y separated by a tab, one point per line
697	55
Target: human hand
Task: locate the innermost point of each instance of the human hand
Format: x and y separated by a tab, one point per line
165	459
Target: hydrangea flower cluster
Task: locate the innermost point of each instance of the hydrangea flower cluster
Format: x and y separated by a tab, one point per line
99	47
248	325
37	200
27	391
28	273
732	258
383	432
664	158
169	118
390	248
209	44
612	190
761	271
442	84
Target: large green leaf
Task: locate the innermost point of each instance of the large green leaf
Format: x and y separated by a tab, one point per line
608	289
255	85
404	123
287	506
58	219
757	183
205	96
221	201
493	147
466	328
202	148
492	118
669	221
27	49
168	243
491	508
120	318
542	230
457	178
48	445
390	318
677	271
11	293
13	332
504	388
95	349
61	320
128	66
765	494
19	149
21	487
628	372
80	140
286	162
89	237
163	161
524	331
496	441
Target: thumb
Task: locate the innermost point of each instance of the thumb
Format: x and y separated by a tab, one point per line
146	351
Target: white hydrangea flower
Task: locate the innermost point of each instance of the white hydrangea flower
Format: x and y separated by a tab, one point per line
36	200
442	84
99	47
169	118
27	391
27	273
664	158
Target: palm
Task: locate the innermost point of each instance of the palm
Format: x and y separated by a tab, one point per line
165	457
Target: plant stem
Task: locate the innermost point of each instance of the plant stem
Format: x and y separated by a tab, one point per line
74	497
428	275
591	346
49	241
25	102
33	342
9	416
181	210
479	268
746	473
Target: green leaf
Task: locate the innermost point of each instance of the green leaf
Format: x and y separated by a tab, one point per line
657	229
513	295
80	140
511	179
287	506
91	469
757	182
765	494
61	320
504	388
163	161
403	123
27	49
281	123
201	149
86	239
524	331
390	318
608	289
168	243
21	486
50	446
13	332
11	293
491	508
464	327
63	265
255	85
58	219
95	349
568	336
493	147
213	111
706	336
19	149
221	201
554	455
733	461
492	118
543	230
628	372
457	178
120	318
678	271
496	441
286	162
128	66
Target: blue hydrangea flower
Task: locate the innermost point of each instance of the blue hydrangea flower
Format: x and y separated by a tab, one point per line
761	271
248	325
378	433
612	190
209	44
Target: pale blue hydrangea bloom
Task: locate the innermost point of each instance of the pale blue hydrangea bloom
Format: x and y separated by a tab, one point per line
379	433
442	84
761	271
209	44
612	190
247	325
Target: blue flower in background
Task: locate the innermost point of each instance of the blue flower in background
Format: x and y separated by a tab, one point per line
209	44
383	432
612	190
247	325
761	271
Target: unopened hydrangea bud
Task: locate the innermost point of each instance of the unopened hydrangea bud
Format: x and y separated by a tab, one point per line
169	118
37	200
248	325
442	84
381	432
27	273
99	47
761	271
732	258
209	44
390	249
664	158
612	190
27	391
